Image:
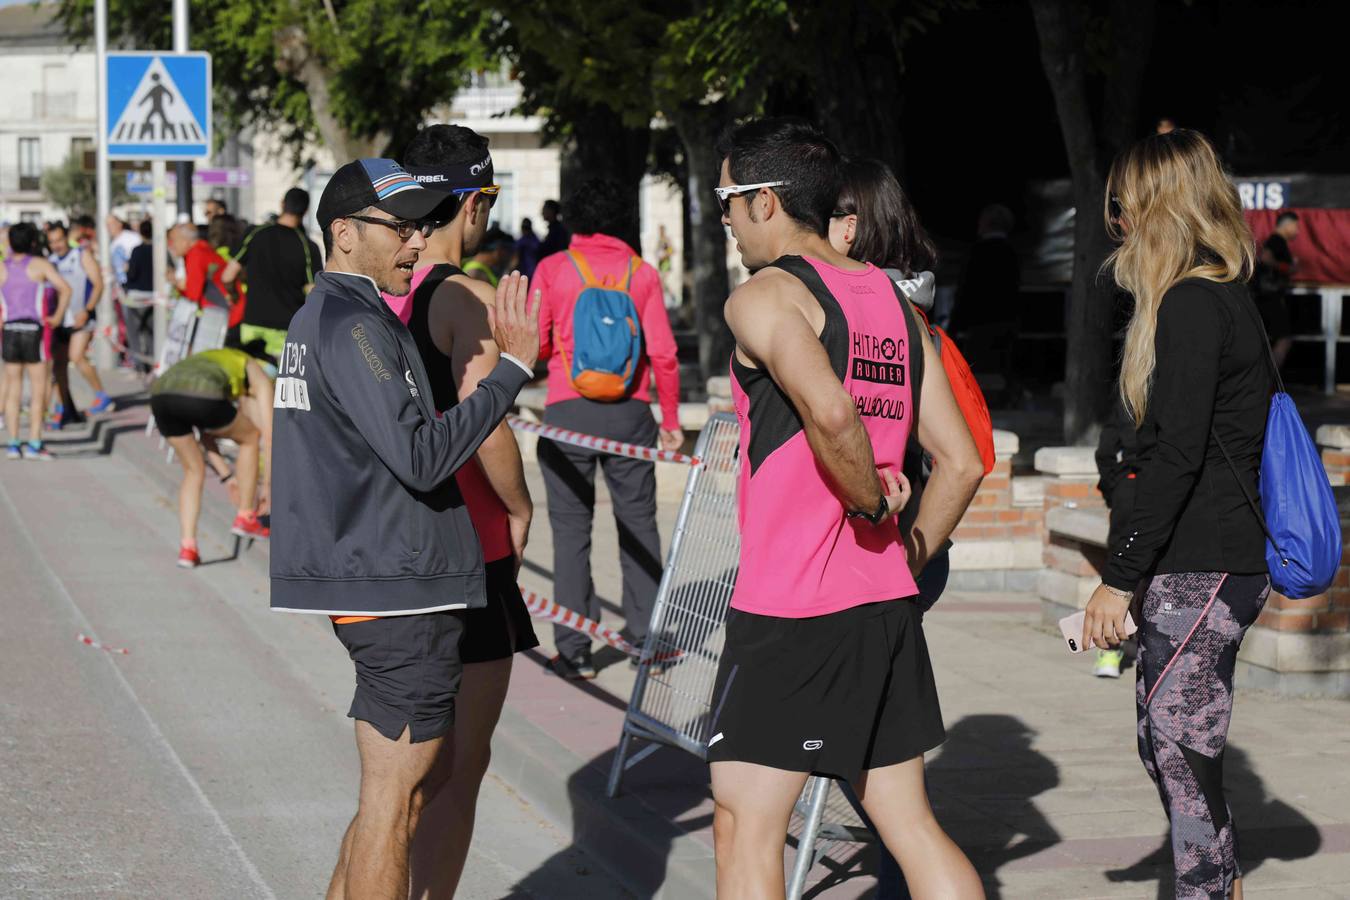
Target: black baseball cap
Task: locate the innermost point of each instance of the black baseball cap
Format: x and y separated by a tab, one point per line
381	183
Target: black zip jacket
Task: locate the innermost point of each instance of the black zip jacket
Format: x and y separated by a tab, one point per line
366	516
1190	514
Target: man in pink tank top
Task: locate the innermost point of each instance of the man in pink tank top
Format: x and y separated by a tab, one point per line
446	312
825	668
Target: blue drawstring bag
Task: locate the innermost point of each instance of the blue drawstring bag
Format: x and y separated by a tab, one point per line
1301	520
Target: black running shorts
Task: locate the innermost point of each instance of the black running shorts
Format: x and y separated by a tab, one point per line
831	695
407	672
177	414
503	627
21	342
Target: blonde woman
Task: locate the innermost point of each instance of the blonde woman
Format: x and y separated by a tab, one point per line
1197	382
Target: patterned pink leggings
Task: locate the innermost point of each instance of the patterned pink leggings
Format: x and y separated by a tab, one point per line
1193	625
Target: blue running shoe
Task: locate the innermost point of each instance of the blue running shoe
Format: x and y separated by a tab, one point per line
13	452
102	403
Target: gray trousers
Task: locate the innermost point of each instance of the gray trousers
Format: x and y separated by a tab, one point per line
569	482
140	323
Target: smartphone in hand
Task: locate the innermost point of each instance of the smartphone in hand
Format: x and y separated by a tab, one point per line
1072	629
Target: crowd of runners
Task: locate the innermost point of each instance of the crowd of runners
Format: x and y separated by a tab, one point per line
374	377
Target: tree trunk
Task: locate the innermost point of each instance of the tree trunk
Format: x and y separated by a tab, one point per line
600	145
1060	25
706	253
295	57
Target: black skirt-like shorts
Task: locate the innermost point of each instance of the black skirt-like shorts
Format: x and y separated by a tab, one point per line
832	695
177	414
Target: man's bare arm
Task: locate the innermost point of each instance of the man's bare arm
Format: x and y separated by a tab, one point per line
231	273
460	329
773	332
957	469
89	263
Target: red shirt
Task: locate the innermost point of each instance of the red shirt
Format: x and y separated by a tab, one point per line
202	282
557	280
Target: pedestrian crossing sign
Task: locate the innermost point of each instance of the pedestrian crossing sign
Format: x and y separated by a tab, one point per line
159	105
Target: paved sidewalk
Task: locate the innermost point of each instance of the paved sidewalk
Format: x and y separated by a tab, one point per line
213	761
1038	780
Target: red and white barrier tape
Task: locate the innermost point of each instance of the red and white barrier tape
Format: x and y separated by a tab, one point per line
604	445
110	334
90	642
544	608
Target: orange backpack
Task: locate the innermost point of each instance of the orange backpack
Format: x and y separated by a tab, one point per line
969	397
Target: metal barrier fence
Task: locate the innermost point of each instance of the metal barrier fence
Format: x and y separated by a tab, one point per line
671	703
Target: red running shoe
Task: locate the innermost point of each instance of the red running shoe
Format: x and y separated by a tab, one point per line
188	558
249	527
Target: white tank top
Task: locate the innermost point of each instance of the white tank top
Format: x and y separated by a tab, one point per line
71	267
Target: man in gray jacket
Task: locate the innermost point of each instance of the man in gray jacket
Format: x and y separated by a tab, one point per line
368	525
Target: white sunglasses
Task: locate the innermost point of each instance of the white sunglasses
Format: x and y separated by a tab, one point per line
724	194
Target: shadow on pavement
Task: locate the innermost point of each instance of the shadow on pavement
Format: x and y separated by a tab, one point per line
1267	828
626	832
987	765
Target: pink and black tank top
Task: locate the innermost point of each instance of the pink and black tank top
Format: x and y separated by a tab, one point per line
800	555
486	510
22	298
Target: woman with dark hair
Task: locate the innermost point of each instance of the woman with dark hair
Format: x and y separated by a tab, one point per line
25	280
874	222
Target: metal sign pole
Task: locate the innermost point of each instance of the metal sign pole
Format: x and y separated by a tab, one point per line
160	250
103	353
183	168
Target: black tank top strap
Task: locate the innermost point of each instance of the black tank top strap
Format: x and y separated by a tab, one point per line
437	364
834	334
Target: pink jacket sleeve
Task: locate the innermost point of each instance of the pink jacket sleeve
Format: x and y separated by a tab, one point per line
660	343
541	283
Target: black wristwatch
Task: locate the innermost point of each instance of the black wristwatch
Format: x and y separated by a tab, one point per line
876	518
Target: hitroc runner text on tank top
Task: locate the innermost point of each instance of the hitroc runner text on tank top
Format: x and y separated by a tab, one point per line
879	361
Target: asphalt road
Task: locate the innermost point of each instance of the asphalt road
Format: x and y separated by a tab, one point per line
213	760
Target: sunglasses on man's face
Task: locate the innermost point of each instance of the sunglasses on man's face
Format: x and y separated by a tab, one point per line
490	191
404	228
724	194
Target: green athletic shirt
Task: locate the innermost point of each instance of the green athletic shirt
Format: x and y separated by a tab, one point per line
474	265
213	374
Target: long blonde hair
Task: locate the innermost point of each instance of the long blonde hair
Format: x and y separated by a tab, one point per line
1179	217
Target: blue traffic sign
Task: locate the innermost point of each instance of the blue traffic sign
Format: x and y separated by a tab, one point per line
159	105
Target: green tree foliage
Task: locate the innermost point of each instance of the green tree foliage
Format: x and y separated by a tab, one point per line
75	190
360	74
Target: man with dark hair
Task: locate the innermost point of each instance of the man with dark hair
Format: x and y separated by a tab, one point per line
215	207
279	262
369	523
597	210
528	247
558	236
1274	277
984	317
825	668
78	265
447	314
138	304
493	256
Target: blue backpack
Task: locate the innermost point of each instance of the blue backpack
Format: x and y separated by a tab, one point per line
606	334
1301	520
